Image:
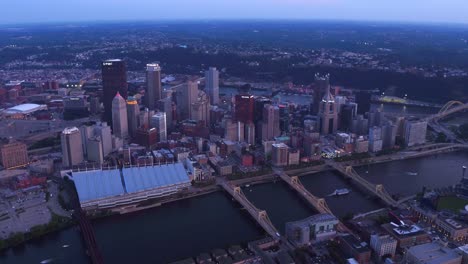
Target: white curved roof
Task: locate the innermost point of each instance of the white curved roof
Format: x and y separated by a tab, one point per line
25	108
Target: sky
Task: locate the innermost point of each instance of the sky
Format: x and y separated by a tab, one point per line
30	11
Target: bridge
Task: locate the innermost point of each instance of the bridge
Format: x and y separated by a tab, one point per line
376	189
318	203
260	216
87	231
449	108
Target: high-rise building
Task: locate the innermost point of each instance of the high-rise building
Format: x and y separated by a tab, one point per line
103	131
133	115
153	85
114	79
86	133
94	105
328	114
279	154
72	150
271	122
249	133
119	116
388	136
94	150
234	131
212	85
347	114
244	108
158	121
165	105
13	154
200	109
186	95
363	100
415	132
259	105
375	139
322	86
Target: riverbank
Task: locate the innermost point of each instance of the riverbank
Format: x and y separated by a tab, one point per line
58	223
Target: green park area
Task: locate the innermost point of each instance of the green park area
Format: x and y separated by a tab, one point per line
452	203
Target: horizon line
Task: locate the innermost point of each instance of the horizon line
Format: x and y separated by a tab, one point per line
207	20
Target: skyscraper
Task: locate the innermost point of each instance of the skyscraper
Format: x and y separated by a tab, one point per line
186	95
158	121
249	133
212	85
271	122
133	115
103	131
244	108
328	114
119	116
153	85
415	132
200	109
363	100
322	86
114	79
72	150
165	105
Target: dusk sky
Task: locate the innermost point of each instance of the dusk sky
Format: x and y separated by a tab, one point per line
25	11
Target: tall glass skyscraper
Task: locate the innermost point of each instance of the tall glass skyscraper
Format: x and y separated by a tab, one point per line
212	85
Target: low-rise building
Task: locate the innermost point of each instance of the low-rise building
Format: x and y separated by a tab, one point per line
383	245
13	154
353	248
432	253
316	228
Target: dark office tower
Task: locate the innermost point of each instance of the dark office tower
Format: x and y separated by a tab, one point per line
153	85
114	79
347	114
244	108
322	85
259	104
363	100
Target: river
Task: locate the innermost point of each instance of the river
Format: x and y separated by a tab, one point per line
188	227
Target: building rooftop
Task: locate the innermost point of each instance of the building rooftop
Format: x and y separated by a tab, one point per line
25	108
315	219
433	253
355	244
99	184
145	178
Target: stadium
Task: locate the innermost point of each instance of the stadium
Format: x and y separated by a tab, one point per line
105	189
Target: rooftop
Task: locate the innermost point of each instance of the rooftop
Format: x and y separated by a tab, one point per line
25	108
433	253
98	184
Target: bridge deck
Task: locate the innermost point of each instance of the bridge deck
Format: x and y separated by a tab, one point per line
376	189
318	203
260	216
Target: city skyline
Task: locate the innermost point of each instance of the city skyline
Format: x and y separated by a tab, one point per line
451	11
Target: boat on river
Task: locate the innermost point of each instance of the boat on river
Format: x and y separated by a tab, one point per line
339	192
